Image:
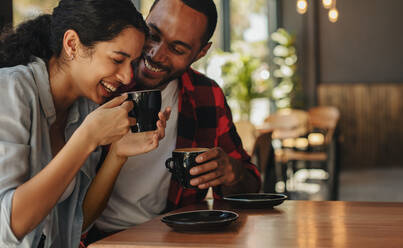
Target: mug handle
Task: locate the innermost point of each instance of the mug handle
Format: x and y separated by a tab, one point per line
168	164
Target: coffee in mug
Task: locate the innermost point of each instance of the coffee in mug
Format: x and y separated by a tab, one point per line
182	160
147	105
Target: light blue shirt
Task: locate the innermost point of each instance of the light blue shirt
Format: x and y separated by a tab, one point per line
26	114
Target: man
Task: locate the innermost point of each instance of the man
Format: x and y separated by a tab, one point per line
179	35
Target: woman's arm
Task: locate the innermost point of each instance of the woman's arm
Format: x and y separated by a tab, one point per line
101	188
130	145
33	200
42	192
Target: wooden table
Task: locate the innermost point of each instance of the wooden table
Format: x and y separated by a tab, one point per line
292	224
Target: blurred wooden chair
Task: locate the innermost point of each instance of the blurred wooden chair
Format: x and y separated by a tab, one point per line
321	147
287	125
247	132
263	157
325	118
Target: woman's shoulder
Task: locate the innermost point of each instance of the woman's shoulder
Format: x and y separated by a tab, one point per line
21	77
17	74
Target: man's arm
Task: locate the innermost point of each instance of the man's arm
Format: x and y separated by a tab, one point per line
245	181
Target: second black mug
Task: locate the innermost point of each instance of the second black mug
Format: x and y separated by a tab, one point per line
182	160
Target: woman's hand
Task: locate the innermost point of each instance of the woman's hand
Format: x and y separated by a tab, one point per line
109	122
133	144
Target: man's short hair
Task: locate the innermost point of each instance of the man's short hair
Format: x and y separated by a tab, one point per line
206	7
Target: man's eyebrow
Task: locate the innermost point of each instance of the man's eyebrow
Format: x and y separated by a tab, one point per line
122	53
176	42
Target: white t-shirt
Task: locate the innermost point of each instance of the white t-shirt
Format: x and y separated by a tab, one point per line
141	189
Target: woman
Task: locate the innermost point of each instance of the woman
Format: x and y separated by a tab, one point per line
54	70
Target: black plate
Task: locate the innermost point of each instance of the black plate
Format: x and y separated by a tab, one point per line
255	200
201	220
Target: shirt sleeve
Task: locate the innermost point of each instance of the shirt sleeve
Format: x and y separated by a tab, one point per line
229	140
15	122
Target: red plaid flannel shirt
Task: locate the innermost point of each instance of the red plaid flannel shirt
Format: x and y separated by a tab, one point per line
204	120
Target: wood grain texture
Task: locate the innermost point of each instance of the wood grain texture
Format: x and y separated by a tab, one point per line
371	122
292	224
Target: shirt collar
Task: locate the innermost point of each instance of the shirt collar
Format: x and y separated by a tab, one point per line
41	76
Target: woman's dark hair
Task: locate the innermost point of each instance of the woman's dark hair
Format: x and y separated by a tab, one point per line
93	20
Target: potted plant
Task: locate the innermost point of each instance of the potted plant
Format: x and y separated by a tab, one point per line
246	78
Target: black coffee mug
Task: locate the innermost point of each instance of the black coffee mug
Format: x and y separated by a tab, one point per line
147	105
182	160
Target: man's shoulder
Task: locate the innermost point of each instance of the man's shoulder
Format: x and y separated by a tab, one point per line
197	78
204	90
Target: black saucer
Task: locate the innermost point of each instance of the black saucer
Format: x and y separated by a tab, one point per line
255	200
201	220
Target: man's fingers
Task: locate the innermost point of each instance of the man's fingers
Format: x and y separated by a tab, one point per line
213	183
202	183
206	177
209	155
212	165
115	101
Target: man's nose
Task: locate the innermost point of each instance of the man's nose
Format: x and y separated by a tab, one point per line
125	74
158	52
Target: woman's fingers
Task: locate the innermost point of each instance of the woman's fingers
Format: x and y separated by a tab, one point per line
128	105
132	121
115	101
160	130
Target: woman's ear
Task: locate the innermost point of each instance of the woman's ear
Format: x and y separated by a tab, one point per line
71	42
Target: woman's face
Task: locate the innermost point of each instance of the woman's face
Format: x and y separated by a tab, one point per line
99	74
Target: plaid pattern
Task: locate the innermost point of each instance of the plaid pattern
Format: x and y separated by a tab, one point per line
204	120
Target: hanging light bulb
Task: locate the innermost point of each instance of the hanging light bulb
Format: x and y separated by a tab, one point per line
327	4
302	6
333	15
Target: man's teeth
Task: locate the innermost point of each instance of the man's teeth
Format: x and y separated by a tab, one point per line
150	67
108	86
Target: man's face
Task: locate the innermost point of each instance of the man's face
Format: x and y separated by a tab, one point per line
175	42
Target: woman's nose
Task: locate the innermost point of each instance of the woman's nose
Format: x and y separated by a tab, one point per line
125	75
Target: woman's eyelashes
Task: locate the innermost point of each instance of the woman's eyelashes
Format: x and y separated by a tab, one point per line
117	61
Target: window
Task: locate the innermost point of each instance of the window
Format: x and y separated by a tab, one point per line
28	9
145	6
249	27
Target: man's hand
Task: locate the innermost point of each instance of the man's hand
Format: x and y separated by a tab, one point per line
219	169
